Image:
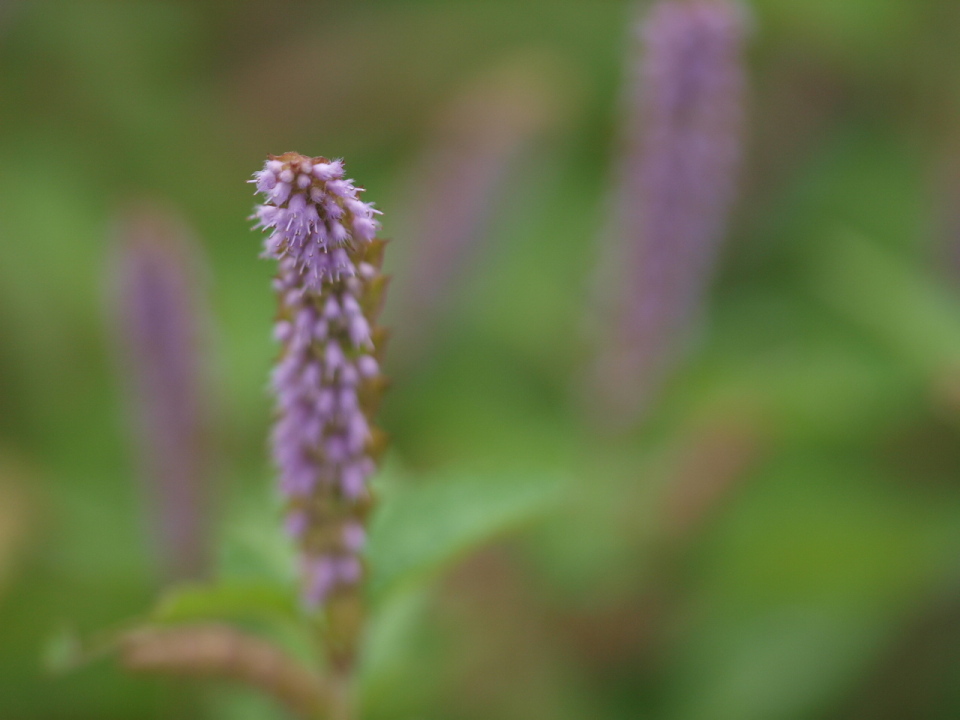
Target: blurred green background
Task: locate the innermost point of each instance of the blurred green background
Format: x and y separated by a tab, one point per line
781	538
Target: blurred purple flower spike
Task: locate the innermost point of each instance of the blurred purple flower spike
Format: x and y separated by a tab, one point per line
162	323
682	148
459	181
327	382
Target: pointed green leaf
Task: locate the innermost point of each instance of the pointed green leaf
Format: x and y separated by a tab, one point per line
226	601
421	528
895	300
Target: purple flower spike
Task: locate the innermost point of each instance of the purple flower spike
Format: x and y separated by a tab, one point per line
677	180
327	382
459	183
162	324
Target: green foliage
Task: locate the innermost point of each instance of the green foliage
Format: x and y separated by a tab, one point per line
915	317
226	601
428	525
804	583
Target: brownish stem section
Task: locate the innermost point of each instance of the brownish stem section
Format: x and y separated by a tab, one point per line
218	651
341	697
344	625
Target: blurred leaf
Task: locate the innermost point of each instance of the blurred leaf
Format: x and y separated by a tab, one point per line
895	301
65	650
422	528
237	601
62	651
782	665
235	702
803	583
387	677
254	549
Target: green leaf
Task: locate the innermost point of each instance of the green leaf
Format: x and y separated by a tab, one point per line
804	584
255	550
62	651
895	300
65	651
785	664
228	601
420	529
389	681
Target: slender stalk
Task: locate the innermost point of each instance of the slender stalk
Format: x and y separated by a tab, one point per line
342	706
